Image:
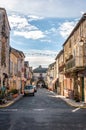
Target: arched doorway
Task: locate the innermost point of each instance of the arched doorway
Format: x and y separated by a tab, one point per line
40	83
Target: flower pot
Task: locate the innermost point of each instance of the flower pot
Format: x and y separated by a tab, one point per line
15	95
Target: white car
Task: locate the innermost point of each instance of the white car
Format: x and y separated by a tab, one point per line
29	90
35	88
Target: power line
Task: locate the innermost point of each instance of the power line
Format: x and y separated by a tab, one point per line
38	54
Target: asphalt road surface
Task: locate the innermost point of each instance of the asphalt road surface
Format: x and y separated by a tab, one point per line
44	111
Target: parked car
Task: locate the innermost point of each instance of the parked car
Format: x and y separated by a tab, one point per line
29	90
35	88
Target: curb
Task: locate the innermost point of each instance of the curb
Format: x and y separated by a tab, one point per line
71	103
7	104
11	102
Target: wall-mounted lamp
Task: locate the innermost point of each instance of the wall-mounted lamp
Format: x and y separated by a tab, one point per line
81	42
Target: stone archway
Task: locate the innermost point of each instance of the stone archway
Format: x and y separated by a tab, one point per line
40	83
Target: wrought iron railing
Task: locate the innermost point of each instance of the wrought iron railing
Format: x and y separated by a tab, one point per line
70	64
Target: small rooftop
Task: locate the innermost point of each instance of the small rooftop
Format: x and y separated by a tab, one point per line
40	70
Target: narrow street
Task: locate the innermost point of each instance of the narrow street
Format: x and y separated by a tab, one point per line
43	111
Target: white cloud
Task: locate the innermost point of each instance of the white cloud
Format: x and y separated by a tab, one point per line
31	34
21	27
33	17
52	30
40	57
8	4
19	22
46	8
35	61
46	40
66	28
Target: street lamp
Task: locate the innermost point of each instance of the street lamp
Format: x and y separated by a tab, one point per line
81	42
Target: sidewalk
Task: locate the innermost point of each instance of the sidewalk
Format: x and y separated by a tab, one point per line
10	102
71	101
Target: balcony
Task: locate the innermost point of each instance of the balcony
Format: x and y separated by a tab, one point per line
75	64
70	64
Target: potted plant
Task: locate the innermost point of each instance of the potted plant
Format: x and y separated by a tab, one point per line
76	97
14	93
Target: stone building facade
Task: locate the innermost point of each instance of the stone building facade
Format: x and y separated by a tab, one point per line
4	47
75	61
27	73
51	76
16	77
72	70
60	58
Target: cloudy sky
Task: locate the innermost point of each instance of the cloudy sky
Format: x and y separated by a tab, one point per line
40	27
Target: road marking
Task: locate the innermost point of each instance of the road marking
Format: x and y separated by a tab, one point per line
9	110
75	110
38	109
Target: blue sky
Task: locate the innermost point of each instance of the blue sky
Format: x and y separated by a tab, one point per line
40	27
